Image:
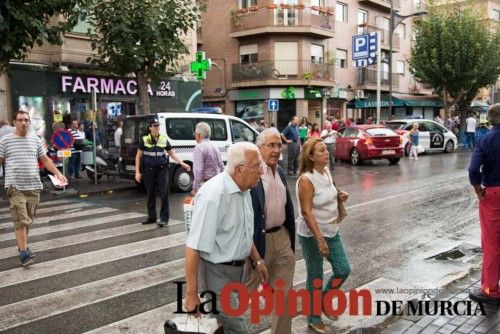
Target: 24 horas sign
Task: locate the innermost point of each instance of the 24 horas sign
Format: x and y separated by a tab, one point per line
111	86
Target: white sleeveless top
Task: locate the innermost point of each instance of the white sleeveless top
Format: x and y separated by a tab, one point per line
324	204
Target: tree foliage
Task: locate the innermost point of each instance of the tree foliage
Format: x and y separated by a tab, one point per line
24	23
142	37
457	52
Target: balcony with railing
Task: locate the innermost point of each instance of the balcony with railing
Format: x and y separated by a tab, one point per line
313	21
367	79
383	4
282	72
366	28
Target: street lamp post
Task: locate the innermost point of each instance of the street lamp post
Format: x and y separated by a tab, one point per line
395	20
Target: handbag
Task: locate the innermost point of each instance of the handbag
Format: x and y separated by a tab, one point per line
191	325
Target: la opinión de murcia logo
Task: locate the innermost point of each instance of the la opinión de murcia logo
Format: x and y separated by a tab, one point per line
281	302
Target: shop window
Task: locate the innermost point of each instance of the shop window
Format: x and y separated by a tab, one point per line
180	128
341	12
341	60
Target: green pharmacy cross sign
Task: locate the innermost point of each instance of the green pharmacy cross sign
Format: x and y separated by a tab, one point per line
201	65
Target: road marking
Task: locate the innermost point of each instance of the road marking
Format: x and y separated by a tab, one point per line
67	226
42	204
83	237
51	209
27	311
84	260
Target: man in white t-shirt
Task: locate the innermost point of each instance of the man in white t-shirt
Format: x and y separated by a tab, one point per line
329	137
470	132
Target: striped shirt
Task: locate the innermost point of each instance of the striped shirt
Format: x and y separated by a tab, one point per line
77	135
21	161
207	162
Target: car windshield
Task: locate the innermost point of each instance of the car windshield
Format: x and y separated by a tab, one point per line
396	125
380	132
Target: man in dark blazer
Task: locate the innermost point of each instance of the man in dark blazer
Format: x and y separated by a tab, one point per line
274	222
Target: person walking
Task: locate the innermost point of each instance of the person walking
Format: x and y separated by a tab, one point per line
484	176
21	151
221	235
151	163
413	139
274	224
329	137
291	136
207	160
319	202
470	132
75	161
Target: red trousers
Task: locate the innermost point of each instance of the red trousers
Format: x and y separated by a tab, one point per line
489	215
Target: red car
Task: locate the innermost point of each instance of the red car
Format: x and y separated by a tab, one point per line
368	142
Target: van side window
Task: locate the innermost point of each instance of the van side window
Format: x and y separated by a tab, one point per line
180	128
241	132
129	132
217	127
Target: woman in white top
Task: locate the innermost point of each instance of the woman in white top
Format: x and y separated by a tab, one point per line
318	235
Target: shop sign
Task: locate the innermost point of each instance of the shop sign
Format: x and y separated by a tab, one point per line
249	94
58	117
110	86
312	93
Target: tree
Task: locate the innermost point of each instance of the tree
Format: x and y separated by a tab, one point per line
457	53
142	37
24	23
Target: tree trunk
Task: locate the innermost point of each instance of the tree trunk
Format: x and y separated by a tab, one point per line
142	82
463	106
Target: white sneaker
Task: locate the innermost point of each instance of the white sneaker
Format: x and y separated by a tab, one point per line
416	158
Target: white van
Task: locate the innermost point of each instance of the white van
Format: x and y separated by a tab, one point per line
179	128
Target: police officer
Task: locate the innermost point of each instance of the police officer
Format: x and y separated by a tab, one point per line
152	148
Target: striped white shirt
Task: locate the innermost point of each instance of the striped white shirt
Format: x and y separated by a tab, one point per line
21	161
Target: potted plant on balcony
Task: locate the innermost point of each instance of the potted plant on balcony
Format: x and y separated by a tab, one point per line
253	8
285	6
323	10
235	17
272	6
307	76
242	10
299	6
316	8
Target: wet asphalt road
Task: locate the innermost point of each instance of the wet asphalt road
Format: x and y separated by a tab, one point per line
398	217
396	214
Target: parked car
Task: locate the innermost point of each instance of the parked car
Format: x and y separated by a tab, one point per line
432	136
368	142
179	128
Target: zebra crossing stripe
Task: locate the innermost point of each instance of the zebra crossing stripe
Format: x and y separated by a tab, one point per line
42	204
34	230
51	209
26	311
81	238
84	260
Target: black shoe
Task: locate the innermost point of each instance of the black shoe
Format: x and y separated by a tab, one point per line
479	296
162	223
26	259
149	221
32	254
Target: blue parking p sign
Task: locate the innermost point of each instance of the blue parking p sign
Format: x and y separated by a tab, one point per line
273	105
364	49
360	47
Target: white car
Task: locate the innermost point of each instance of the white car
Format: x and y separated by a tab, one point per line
432	136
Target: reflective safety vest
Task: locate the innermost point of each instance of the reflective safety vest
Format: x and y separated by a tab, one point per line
154	152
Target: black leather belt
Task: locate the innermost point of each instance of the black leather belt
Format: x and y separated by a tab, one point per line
238	263
273	229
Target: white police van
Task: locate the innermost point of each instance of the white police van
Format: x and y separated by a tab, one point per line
179	128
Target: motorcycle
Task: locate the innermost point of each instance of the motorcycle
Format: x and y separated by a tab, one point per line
106	161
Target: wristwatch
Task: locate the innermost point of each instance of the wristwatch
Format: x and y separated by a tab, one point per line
258	262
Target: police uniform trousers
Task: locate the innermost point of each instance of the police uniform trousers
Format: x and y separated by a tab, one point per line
157	177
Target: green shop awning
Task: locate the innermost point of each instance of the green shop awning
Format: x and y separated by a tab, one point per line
398	100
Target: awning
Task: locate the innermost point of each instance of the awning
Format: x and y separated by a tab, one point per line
398	100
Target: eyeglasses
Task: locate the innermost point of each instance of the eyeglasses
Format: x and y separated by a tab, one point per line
273	146
256	167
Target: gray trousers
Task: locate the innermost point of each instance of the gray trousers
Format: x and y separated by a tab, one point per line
293	157
213	277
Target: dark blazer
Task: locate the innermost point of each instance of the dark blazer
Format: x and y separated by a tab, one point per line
258	200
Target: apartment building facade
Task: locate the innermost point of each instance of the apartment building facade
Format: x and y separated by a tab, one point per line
295	51
56	82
